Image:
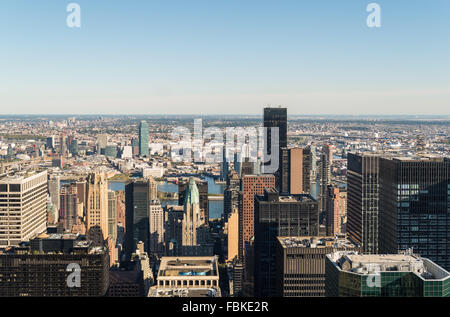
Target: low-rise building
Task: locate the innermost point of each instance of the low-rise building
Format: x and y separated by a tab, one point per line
300	269
187	277
385	275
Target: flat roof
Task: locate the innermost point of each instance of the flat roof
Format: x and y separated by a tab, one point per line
428	158
58	236
188	266
184	292
364	264
19	177
315	242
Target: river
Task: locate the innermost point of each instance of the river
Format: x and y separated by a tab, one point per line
215	206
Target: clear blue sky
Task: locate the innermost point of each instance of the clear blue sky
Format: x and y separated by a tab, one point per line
225	56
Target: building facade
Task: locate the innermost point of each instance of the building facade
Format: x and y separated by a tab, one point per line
112	215
97	207
44	267
23	207
415	207
349	274
137	205
252	185
202	187
363	200
156	226
231	194
68	205
187	277
300	269
336	210
143	138
278	215
295	171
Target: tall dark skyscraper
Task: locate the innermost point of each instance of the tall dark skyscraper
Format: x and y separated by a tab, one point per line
363	200
137	204
143	138
415	207
275	118
231	194
74	147
325	179
224	166
275	215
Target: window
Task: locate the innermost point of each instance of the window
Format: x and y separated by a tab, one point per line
14	187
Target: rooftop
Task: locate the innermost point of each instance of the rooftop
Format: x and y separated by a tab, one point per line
369	263
427	158
184	292
58	236
315	242
272	195
19	177
188	266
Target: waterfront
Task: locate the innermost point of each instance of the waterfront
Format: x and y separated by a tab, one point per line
215	206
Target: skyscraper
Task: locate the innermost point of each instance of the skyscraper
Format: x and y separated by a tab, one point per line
53	190
325	179
68	205
191	221
363	200
97	207
233	235
415	207
102	141
275	118
202	187
224	166
336	210
300	269
153	187
112	215
143	138
231	194
74	147
23	207
295	171
156	227
135	146
81	194
137	200
251	185
279	215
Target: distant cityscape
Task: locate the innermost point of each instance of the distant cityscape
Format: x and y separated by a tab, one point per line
122	206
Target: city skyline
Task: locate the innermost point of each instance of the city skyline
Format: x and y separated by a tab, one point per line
251	153
203	57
